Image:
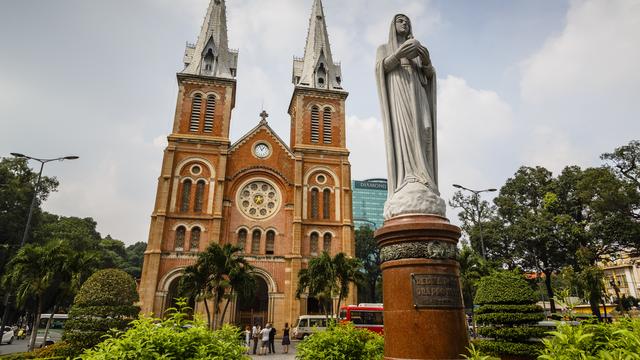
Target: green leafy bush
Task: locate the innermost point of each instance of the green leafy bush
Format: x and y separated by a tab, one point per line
619	340
59	350
104	302
507	315
342	342
174	338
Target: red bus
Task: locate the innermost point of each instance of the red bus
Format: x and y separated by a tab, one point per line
367	316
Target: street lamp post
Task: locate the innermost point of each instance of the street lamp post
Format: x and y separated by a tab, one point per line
28	225
476	194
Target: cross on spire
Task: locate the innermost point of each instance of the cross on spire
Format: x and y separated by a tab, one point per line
264	115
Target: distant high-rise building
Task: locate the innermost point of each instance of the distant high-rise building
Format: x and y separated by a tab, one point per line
368	202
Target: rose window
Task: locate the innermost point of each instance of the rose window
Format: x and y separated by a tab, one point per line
258	199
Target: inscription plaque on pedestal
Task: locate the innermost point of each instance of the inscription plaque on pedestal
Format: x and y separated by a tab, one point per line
436	291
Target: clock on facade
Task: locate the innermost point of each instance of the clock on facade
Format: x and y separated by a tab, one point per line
262	150
258	199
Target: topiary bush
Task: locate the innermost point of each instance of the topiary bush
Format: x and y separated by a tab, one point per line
104	302
342	342
507	317
59	350
174	338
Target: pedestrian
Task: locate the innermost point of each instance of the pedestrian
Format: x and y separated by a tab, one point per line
272	340
264	334
255	333
285	339
247	338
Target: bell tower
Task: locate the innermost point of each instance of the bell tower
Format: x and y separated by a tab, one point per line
187	214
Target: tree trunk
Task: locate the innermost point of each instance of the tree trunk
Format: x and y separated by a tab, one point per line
547	283
224	311
46	330
206	309
36	324
215	309
594	302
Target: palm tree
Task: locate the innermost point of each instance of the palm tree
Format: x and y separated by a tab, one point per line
347	270
237	274
194	284
31	273
318	280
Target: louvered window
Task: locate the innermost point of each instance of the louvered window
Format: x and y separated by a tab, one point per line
186	195
209	112
255	242
242	239
179	243
271	240
314	203
326	243
195	239
315	124
326	203
194	125
326	126
199	195
313	243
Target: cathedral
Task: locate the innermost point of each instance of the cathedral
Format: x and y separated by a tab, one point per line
282	204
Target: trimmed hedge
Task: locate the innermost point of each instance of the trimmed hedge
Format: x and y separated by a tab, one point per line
504	288
104	303
508	314
342	342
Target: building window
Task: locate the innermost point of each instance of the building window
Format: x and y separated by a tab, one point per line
209	112
326	243
326	203
315	124
242	239
179	243
186	196
314	203
199	195
195	239
255	242
313	244
271	240
196	104
326	125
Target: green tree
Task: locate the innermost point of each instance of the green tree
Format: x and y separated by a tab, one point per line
625	162
104	302
472	268
348	271
368	252
31	274
195	285
318	280
135	258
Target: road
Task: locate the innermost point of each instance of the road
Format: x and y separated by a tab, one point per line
17	346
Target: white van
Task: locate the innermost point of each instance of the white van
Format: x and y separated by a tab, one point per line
55	330
308	324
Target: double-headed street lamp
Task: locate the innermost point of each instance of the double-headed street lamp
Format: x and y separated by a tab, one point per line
28	225
476	193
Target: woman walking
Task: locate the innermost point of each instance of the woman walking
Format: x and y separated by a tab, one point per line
285	339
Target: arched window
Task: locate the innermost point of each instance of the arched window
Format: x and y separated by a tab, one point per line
313	243
326	243
326	203
315	124
271	240
208	61
255	242
186	196
179	243
196	104
209	112
242	239
326	125
314	203
199	195
195	239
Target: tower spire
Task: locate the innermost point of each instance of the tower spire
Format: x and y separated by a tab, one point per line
210	55
317	69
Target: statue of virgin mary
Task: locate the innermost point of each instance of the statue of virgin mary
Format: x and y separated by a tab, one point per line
407	90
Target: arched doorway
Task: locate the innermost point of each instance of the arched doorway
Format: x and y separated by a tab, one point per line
173	295
254	310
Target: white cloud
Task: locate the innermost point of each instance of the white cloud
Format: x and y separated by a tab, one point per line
597	52
365	140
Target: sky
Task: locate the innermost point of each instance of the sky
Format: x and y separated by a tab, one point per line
548	82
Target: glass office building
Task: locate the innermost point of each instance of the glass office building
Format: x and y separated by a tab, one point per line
368	202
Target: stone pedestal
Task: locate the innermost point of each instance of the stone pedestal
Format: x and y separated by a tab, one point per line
423	310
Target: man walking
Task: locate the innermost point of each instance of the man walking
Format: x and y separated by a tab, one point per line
272	339
255	334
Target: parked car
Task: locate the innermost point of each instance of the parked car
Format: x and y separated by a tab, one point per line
308	324
8	335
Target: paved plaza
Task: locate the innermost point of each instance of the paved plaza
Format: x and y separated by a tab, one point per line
279	355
